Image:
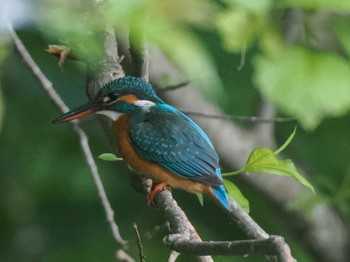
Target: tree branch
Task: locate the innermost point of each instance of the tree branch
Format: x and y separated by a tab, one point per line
172	87
139	244
185	240
180	225
48	87
245	222
270	246
257	119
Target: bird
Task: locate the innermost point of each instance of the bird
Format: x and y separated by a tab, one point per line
155	139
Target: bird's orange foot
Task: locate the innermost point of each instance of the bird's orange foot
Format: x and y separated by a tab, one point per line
155	189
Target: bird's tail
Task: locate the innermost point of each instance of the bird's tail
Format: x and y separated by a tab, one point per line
221	196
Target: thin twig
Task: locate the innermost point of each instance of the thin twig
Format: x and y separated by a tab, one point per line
139	244
242	118
173	87
48	87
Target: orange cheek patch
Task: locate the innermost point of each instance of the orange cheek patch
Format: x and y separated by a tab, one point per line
131	99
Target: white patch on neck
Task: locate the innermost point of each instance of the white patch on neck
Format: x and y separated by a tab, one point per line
111	114
145	104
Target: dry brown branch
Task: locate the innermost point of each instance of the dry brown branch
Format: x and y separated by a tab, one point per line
139	243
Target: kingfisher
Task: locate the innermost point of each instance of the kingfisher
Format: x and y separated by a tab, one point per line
155	139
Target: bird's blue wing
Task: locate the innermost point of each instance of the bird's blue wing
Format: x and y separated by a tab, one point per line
166	136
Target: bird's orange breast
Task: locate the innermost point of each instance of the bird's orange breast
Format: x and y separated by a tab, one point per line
150	169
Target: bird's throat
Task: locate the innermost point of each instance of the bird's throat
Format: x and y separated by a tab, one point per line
111	114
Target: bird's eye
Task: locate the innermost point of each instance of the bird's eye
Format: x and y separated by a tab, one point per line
113	96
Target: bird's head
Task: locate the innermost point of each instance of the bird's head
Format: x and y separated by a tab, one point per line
128	94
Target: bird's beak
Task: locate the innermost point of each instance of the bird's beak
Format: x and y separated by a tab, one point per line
81	111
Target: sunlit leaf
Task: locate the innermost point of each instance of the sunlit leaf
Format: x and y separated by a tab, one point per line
109	157
200	198
265	161
302	82
234	192
238	27
241	23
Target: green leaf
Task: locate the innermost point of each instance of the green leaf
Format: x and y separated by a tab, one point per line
342	5
200	198
242	23
259	159
234	192
264	160
290	138
239	27
109	157
302	82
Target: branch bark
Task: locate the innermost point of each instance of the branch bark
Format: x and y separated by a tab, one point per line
274	245
139	244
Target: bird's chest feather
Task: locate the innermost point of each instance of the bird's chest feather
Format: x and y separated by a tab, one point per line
140	165
148	168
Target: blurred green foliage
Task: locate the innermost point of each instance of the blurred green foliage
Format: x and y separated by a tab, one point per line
311	95
49	209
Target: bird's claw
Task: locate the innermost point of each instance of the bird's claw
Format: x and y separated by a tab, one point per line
155	189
